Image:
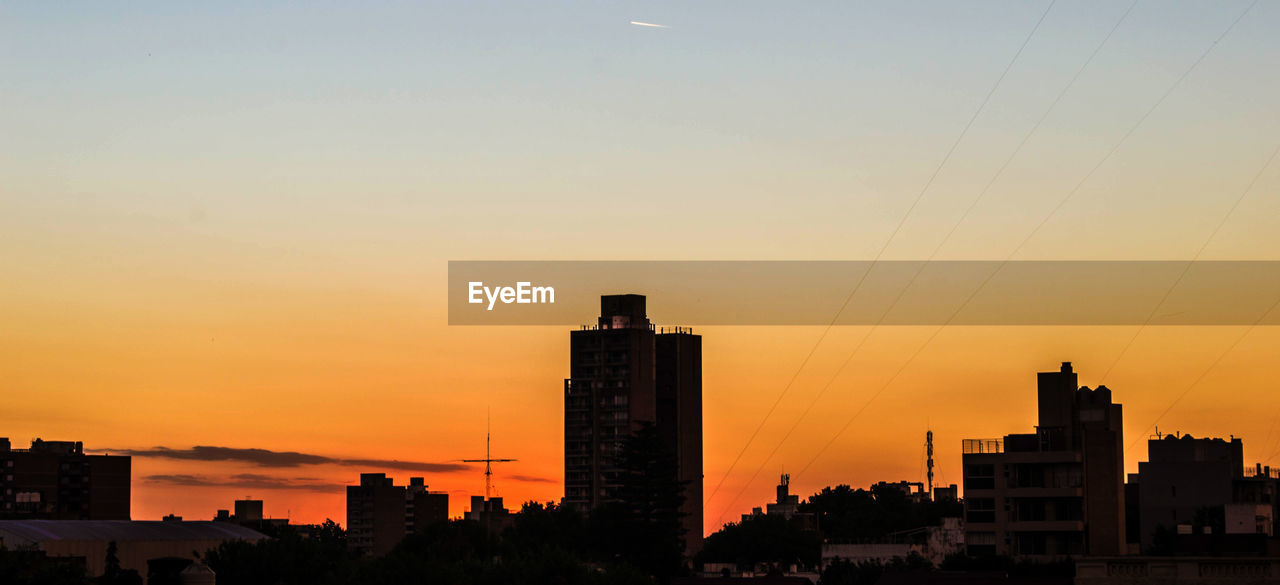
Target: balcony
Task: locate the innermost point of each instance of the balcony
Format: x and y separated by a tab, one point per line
609	327
1046	525
982	446
1262	472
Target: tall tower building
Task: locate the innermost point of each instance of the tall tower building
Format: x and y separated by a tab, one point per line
623	372
375	515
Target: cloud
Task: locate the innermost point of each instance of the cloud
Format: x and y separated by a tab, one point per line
177	479
245	481
284	459
405	465
261	457
530	478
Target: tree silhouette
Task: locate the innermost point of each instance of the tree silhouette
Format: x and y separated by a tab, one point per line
113	574
846	514
331	534
765	539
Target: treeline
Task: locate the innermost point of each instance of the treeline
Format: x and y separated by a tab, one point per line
857	515
842	514
546	543
30	566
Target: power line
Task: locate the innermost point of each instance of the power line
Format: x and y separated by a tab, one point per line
1124	138
1187	267
973	204
1276	451
1275	418
1206	371
880	254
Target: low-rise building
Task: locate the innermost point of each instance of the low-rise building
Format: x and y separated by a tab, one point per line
489	513
785	504
380	513
933	543
1199	488
56	480
137	542
1134	570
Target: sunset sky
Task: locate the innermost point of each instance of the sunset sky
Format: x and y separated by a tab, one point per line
229	225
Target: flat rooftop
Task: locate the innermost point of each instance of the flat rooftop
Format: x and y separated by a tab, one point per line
17	532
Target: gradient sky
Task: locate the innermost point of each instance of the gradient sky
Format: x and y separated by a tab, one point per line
228	225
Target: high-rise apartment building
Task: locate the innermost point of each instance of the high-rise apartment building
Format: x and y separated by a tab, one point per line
375	514
55	480
1054	493
624	373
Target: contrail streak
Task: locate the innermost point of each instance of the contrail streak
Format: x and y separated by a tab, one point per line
638	23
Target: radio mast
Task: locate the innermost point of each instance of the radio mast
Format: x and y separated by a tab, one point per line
488	460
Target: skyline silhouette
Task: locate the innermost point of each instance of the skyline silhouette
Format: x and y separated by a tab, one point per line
227	228
299	483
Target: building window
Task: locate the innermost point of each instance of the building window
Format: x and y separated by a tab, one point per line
980	543
981	538
1030	510
980	510
1028	475
1067	476
980	470
979	477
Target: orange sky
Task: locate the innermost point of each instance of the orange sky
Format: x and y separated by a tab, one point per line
359	375
229	225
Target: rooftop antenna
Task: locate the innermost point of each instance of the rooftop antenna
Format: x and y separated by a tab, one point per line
488	460
928	441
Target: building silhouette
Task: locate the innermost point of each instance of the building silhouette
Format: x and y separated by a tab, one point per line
913	491
249	513
247	510
934	543
1200	488
380	513
1056	492
624	373
785	504
422	507
56	480
949	493
490	513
